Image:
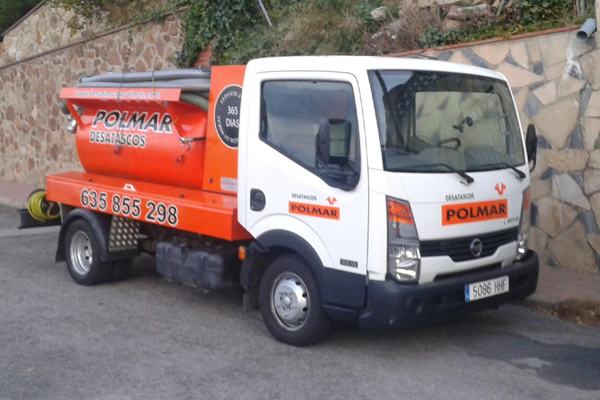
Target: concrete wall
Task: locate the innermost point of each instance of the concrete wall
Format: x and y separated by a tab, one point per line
33	142
556	82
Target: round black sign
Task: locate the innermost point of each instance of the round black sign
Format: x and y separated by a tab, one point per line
227	115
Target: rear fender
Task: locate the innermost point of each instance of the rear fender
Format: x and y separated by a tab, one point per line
100	224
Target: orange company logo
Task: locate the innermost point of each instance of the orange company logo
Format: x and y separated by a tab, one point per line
500	188
314	210
331	200
453	214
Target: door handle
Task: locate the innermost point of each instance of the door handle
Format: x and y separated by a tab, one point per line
257	200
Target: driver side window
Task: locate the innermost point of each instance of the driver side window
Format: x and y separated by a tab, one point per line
314	123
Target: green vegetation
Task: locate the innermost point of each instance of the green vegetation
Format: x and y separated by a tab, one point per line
535	11
524	16
221	24
237	30
114	12
304	27
12	10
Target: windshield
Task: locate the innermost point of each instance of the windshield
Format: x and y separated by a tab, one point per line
438	122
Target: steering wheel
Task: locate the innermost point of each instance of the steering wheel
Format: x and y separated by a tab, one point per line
456	140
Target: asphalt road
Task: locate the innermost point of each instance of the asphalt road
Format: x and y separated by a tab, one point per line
148	339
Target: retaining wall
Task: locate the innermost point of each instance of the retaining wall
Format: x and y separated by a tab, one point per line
33	141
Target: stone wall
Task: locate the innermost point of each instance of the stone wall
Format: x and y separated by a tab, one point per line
44	29
556	81
33	141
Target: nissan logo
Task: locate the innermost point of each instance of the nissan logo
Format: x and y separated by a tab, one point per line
476	248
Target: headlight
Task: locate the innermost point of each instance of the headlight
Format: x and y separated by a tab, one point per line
524	224
404	259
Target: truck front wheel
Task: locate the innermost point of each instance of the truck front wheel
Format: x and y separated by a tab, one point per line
290	302
82	255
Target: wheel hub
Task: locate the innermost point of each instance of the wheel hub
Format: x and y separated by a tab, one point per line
81	253
290	301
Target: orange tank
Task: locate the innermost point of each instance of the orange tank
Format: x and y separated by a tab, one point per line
153	135
156	139
155	155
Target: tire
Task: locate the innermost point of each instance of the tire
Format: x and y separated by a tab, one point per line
82	255
290	302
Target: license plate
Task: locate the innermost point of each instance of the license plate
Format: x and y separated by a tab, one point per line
481	290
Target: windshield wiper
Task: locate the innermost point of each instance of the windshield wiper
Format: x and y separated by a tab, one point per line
468	178
520	174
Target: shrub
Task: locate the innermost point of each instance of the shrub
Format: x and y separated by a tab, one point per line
218	23
305	27
535	11
434	37
418	25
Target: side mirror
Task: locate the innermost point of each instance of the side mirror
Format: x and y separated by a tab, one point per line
531	145
333	141
324	142
333	154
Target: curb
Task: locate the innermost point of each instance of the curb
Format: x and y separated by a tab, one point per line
537	302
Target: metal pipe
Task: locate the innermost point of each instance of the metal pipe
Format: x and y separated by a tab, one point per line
588	29
189	73
186	85
264	10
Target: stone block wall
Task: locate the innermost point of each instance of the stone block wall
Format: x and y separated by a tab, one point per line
45	28
555	78
33	141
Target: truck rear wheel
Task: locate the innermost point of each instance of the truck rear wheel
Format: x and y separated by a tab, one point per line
82	255
290	302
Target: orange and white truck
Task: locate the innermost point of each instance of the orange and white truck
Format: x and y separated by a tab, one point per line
381	192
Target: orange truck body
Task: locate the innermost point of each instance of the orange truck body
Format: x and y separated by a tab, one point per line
136	165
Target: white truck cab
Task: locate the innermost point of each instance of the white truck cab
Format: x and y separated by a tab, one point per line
401	184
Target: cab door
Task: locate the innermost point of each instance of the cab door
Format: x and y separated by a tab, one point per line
306	174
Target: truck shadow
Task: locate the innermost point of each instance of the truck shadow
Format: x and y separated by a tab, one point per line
491	337
488	335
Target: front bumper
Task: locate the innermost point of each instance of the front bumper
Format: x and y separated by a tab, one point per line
392	304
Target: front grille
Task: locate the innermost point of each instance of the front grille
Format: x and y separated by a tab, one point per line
461	274
459	248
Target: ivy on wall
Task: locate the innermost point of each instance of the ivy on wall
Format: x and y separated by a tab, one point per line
206	22
237	30
113	13
218	24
